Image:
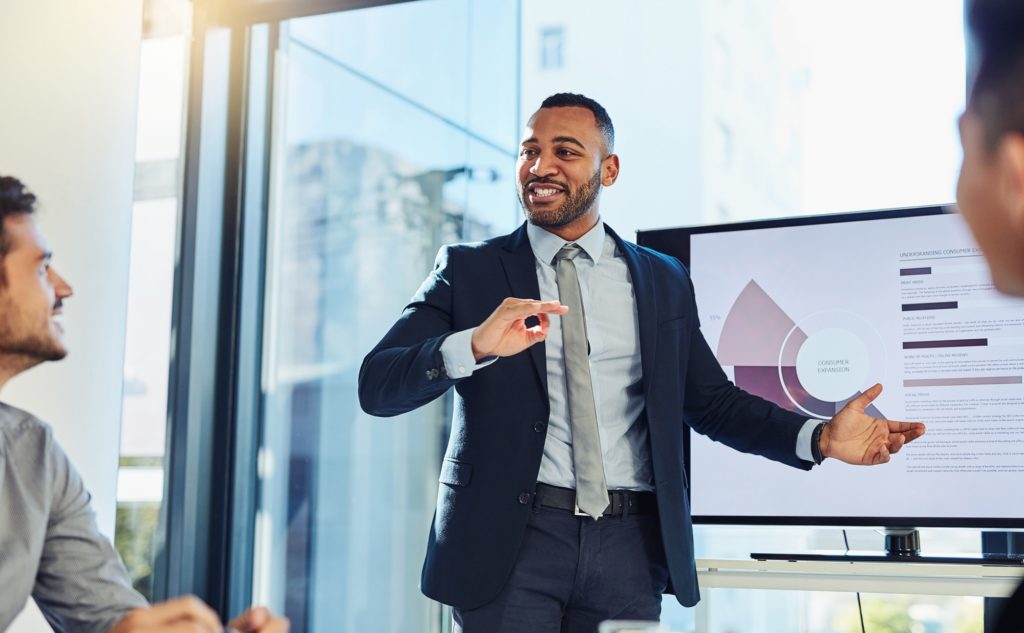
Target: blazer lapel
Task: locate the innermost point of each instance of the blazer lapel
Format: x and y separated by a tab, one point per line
519	263
646	303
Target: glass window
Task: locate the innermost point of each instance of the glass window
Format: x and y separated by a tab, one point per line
551	47
745	109
140	487
395	136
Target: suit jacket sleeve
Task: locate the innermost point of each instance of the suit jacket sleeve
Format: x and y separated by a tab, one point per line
725	413
406	369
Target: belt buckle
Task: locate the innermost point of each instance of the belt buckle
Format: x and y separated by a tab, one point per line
576	510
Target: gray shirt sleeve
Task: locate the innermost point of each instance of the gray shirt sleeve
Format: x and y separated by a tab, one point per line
81	585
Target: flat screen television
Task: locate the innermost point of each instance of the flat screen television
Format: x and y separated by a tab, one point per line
810	311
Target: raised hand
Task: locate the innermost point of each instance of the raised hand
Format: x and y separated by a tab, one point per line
504	333
855	437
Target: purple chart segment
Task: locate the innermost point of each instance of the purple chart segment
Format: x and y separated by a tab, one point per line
814	366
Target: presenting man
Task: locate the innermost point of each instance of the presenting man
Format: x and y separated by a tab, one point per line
563	500
991	188
50	547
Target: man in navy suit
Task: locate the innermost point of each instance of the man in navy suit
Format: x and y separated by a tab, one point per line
513	547
991	188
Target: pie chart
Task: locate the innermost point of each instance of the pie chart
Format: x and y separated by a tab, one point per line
814	365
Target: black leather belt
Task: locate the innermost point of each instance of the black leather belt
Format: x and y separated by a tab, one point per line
621	502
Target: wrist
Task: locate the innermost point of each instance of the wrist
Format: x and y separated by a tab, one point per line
477	354
473	347
825	441
820	441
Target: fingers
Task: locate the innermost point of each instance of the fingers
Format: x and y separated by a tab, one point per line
259	620
902	432
256	620
881	455
512	309
250	620
187	613
538	332
910	430
276	625
181	626
896	442
862	401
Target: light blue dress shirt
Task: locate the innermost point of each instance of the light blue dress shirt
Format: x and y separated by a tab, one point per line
615	367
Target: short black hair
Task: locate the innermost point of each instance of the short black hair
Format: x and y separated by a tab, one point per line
571	100
15	199
997	94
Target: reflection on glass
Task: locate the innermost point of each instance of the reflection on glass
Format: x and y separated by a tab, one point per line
377	166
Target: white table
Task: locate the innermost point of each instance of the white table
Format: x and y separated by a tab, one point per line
882	577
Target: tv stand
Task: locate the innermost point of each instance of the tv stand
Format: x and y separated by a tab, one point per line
902	545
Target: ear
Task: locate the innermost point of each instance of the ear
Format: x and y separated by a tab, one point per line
610	170
1011	177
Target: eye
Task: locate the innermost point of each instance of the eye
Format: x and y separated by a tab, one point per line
565	153
527	152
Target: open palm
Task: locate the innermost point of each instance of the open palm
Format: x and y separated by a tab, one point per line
855	437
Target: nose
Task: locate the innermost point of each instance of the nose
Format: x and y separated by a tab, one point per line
60	286
543	166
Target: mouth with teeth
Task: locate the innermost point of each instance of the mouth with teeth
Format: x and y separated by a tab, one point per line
544	192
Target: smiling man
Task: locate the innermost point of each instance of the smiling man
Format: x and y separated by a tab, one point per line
577	360
50	547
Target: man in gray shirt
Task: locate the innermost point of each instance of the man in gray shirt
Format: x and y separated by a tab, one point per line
50	547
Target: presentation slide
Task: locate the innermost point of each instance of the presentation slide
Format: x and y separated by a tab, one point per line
810	316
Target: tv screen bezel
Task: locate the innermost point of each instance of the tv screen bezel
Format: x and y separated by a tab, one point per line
676	242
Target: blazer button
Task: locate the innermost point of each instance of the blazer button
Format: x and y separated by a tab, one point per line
524	498
539	425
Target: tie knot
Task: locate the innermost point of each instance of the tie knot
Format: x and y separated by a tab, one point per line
569	251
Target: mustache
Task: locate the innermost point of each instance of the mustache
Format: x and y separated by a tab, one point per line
58	304
545	181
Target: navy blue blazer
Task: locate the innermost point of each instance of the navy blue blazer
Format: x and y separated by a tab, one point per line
500	418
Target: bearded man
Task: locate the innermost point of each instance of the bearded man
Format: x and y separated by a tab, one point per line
577	360
50	547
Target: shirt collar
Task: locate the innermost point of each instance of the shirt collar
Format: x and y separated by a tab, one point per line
546	245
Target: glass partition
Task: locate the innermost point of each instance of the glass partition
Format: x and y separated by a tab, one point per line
394	134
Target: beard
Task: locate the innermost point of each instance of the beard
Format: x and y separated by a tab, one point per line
36	348
576	204
25	344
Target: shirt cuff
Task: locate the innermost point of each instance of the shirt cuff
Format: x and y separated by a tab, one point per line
803	440
457	352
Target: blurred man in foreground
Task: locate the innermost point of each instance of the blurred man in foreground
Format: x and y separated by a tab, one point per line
991	188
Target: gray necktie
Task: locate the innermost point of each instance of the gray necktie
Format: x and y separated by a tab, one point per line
588	460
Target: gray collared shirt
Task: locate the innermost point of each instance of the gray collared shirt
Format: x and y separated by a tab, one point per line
50	547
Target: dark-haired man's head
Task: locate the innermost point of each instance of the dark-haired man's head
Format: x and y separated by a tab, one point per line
565	157
15	199
31	292
991	188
